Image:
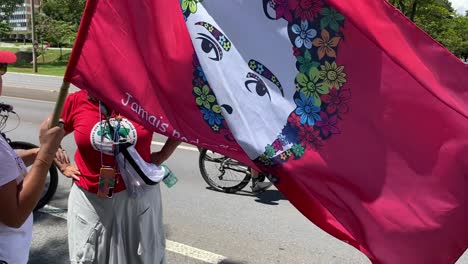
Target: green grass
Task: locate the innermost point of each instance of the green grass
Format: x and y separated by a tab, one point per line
47	63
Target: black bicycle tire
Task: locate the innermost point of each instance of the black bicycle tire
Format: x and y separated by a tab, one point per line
52	172
212	184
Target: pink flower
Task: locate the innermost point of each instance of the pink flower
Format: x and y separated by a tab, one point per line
295	120
336	100
306	9
282	10
310	137
328	125
296	52
277	145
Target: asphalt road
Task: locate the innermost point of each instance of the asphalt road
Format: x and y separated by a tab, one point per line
202	226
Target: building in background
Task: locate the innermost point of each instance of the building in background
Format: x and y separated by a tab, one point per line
20	21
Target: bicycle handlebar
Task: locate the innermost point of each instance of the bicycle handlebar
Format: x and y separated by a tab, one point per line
6	108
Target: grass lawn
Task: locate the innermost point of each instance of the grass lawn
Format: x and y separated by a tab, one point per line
47	63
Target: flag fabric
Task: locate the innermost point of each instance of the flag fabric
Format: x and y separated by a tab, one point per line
360	116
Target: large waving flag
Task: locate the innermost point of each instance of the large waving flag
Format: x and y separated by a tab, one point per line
360	115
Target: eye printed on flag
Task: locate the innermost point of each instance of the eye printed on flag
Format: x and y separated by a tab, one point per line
295	93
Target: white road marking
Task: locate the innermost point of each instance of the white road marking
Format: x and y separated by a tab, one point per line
179	147
194	253
172	246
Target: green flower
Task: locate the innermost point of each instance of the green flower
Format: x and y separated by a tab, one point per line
252	65
204	97
332	75
331	18
305	62
215	128
269	151
227	45
216	108
264	159
298	150
191	4
309	87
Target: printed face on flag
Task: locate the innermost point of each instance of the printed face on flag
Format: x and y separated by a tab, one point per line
250	67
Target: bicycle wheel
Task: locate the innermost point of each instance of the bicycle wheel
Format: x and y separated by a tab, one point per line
52	177
223	173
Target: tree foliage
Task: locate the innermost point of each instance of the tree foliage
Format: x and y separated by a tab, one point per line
438	19
58	32
5	28
69	11
59	20
8	7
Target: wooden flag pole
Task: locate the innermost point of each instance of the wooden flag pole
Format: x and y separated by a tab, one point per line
60	101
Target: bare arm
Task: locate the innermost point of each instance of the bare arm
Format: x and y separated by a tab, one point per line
161	156
28	156
19	201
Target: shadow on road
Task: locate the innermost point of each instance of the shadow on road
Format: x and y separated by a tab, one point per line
228	261
270	197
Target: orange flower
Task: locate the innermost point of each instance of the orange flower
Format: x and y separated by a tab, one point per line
325	44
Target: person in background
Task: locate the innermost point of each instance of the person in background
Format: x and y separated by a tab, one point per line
106	224
20	190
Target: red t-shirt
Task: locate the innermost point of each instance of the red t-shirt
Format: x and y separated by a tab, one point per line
95	148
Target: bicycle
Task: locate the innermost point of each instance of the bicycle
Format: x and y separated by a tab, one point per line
52	177
229	175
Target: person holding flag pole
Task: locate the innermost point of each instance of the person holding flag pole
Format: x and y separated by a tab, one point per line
20	190
107	222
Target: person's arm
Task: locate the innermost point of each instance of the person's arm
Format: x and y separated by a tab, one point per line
28	156
18	201
161	156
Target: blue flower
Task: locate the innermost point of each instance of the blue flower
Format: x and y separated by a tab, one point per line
304	34
259	69
212	117
306	109
201	74
221	40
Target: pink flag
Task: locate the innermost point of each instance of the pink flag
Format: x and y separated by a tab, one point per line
360	116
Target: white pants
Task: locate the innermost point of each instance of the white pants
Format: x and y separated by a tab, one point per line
119	230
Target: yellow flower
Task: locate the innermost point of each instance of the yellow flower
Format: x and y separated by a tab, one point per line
332	75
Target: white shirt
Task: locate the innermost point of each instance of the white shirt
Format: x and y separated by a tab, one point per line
14	242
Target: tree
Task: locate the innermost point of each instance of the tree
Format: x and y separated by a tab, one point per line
438	19
8	7
5	29
411	7
69	11
58	32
